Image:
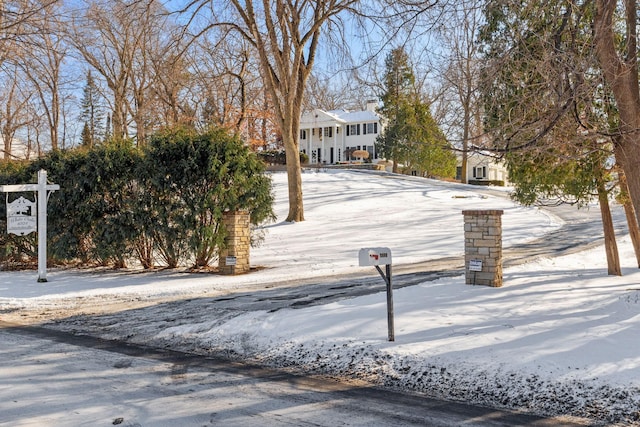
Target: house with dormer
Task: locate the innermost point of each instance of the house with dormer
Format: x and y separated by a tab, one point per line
340	136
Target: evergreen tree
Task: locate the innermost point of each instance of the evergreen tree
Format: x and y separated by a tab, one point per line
93	113
546	107
399	82
411	136
85	136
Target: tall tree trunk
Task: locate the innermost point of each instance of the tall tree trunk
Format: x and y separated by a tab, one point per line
630	213
294	179
610	245
621	74
465	144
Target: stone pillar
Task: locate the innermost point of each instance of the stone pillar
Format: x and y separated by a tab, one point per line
234	255
483	247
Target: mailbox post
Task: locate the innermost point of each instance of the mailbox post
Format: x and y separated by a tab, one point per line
377	257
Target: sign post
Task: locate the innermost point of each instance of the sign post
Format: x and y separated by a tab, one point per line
21	211
377	257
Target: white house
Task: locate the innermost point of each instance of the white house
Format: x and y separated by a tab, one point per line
483	167
331	137
19	150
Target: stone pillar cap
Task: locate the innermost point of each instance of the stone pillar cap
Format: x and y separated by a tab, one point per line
483	212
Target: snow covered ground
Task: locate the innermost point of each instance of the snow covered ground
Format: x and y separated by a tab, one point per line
560	337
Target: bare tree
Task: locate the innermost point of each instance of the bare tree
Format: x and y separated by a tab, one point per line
461	74
44	53
286	36
106	46
121	40
20	21
172	80
14	109
225	74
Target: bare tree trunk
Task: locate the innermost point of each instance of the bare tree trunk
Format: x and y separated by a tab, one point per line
630	213
610	245
465	150
634	231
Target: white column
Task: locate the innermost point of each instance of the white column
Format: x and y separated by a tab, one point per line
42	225
322	155
335	143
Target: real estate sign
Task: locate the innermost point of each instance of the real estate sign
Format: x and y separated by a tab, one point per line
21	217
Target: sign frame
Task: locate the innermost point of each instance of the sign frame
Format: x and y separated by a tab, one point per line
43	189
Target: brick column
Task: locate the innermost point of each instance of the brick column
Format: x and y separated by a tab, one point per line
234	255
483	247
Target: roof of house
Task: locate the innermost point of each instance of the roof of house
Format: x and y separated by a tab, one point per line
355	116
320	117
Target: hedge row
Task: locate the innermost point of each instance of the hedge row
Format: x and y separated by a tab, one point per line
487	182
161	205
279	157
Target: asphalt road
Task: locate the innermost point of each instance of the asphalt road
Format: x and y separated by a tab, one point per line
58	379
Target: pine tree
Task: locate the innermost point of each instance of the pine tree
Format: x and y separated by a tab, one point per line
399	82
93	113
411	136
85	136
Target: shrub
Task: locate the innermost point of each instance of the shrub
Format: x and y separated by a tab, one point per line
116	201
486	182
278	157
90	217
192	179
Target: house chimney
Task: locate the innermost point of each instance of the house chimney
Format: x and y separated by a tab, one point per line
372	104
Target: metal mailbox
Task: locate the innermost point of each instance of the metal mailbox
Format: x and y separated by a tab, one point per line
374	256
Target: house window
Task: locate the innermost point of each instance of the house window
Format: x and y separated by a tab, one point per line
303	134
480	172
369	128
328	132
353	129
